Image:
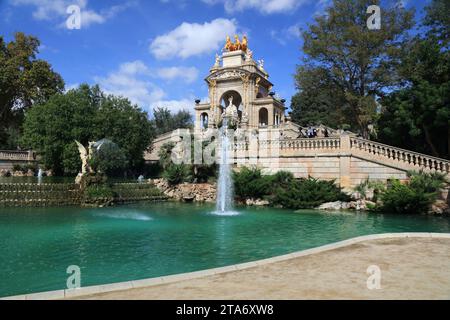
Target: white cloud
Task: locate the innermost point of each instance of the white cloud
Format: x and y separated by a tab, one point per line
189	75
191	39
56	9
133	80
263	6
176	105
284	35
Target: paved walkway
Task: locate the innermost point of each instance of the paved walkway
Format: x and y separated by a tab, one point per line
411	268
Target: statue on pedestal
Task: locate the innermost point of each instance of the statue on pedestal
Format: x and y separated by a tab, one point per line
86	156
231	111
217	63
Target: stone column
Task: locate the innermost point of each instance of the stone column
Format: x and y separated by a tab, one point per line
345	159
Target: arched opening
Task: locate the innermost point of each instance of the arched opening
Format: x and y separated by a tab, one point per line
235	98
204	120
263	117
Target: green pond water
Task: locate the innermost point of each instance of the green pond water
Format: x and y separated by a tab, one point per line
149	240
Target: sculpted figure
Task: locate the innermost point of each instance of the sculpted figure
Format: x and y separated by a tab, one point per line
84	158
261	64
217	63
244	45
237	43
229	46
249	54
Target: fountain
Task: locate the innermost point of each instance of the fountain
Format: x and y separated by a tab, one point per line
225	192
40	175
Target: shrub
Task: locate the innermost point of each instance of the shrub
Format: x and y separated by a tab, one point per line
249	183
282	178
367	185
415	197
98	192
109	159
177	173
400	198
165	154
307	193
18	167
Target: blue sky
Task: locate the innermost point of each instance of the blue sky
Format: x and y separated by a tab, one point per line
157	53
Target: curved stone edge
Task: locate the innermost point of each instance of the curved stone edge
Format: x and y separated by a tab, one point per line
121	286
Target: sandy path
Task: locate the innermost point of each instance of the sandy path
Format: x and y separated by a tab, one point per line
411	268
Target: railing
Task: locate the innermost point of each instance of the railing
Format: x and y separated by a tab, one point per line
311	144
389	155
295	144
418	160
17	155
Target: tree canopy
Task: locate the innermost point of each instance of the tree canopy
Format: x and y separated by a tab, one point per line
346	65
417	116
24	82
165	121
85	114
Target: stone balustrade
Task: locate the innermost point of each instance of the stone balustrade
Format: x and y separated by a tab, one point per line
7	155
311	144
391	155
346	145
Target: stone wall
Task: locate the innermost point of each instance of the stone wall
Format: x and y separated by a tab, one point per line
361	170
347	159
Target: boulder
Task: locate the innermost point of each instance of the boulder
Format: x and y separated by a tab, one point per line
5	173
439	207
197	192
331	206
257	202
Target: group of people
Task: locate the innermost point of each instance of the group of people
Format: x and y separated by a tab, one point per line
312	132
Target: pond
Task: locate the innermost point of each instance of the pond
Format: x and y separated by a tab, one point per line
155	239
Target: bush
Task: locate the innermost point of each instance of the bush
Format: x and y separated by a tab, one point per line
400	198
109	158
18	167
376	186
416	197
98	192
177	173
306	194
249	183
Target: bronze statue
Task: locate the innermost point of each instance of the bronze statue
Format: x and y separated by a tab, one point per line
237	45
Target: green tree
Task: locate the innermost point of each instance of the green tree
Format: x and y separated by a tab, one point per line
417	116
349	63
319	101
109	159
438	20
164	121
85	114
24	82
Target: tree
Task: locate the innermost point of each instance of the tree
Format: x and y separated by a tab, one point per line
417	116
164	121
108	159
438	20
346	59
319	100
85	114
24	82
